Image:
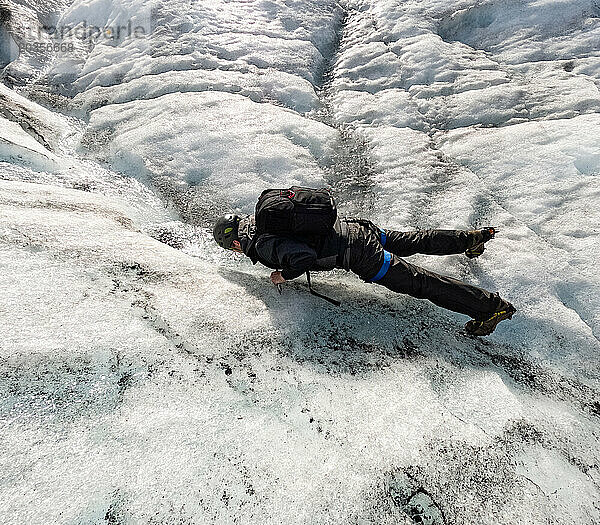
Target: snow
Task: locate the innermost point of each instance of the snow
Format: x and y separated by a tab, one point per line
17	144
52	130
9	50
551	187
256	84
146	376
25	41
233	147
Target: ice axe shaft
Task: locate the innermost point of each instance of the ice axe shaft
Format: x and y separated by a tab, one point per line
329	299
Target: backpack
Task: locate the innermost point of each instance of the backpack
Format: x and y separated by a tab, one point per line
305	212
296	211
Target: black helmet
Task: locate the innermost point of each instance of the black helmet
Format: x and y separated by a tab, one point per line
226	230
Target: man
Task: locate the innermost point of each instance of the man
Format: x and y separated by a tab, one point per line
375	254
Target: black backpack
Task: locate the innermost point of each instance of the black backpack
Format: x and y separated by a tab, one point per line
297	211
305	212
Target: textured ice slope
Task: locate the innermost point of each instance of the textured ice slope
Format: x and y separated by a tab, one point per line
217	160
126	397
250	71
143	385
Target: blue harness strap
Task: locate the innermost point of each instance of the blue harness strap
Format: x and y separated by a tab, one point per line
387	259
382	237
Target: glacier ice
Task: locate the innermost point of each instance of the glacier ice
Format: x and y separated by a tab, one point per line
148	377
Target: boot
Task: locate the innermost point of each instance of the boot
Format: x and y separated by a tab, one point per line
488	325
480	237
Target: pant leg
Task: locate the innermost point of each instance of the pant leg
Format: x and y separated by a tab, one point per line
369	260
429	242
443	291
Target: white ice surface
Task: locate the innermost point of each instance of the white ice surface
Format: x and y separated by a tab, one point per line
16	145
147	383
215	146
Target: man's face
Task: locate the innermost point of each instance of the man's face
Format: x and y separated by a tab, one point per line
236	246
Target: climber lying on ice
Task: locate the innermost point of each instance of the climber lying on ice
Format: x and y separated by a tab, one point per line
298	230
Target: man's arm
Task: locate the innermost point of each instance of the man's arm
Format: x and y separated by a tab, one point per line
294	257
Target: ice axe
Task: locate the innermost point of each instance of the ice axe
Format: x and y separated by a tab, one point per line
329	299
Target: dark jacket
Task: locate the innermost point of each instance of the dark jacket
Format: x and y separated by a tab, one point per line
295	255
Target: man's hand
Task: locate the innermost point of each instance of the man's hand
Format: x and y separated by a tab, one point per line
276	278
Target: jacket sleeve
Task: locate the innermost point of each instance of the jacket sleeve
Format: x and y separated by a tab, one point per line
294	257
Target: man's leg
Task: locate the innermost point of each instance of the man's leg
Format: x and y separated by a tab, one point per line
374	264
443	291
429	242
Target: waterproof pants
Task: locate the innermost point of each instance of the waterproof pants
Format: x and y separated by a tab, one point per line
375	255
